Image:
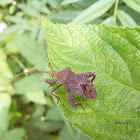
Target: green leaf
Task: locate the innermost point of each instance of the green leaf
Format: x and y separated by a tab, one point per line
40	6
16	19
54	114
30	84
15	134
81	5
41	35
17	28
35	30
109	21
113	54
5	103
81	136
125	19
36	97
4	2
54	3
63	17
69	1
65	134
31	50
5	74
134	4
94	11
28	10
48	126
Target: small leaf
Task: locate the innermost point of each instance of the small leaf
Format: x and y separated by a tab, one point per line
40	6
65	134
28	10
16	19
15	134
41	36
5	74
54	114
81	5
49	126
134	4
125	19
94	11
63	17
109	21
36	97
5	103
69	1
4	2
35	30
113	54
30	84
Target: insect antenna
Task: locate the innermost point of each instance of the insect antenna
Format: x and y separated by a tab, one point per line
47	53
36	71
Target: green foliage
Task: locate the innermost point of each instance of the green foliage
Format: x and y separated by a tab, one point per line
125	19
134	4
27	110
34	52
54	114
112	54
31	83
5	74
93	12
69	1
5	101
15	134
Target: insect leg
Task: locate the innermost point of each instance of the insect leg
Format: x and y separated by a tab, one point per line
47	81
89	74
54	90
70	100
93	77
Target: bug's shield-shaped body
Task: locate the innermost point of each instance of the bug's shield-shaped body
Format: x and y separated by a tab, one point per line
77	83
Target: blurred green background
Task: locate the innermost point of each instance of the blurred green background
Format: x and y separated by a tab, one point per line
27	110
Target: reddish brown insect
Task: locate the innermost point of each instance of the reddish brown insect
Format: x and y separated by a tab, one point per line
79	84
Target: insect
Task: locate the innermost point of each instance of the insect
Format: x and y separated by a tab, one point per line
79	84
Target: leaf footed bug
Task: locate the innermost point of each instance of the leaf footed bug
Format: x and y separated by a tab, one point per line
79	84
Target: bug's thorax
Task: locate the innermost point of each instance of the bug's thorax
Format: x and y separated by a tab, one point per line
61	76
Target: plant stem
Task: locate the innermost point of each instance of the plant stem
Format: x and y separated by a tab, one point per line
115	11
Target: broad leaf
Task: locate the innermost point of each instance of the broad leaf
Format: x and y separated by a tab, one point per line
113	53
93	12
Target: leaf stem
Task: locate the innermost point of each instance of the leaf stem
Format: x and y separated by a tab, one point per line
115	11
